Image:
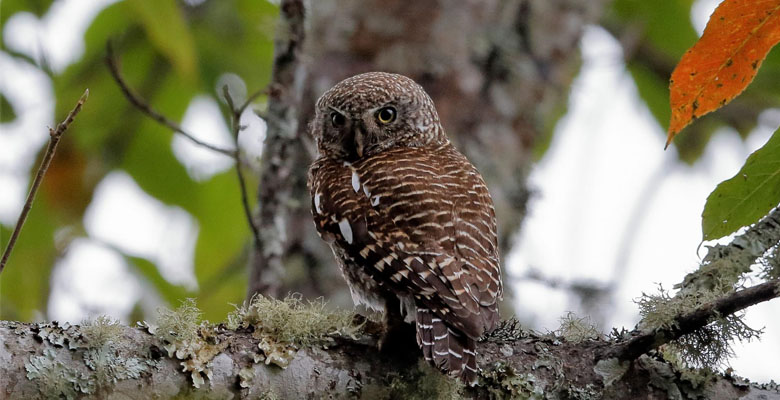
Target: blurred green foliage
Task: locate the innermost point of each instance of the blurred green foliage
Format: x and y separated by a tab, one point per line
655	35
11	7
169	52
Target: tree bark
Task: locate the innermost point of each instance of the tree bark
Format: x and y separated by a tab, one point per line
41	361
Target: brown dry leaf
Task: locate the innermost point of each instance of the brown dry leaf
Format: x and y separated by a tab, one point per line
724	61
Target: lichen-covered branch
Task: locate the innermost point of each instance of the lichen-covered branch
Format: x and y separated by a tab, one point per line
643	342
702	319
278	158
105	360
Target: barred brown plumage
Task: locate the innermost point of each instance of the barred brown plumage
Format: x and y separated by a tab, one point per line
409	219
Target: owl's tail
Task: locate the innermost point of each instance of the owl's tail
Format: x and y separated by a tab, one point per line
452	352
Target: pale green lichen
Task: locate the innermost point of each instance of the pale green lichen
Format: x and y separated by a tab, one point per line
661	376
276	353
189	339
55	333
696	377
293	320
661	309
245	377
284	325
100	331
179	325
56	380
611	370
770	263
502	381
576	330
709	346
94	341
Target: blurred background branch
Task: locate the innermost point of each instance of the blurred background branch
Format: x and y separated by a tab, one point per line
55	134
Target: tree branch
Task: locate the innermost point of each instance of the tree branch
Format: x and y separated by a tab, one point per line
54	138
753	243
142	105
55	360
643	342
276	186
739	254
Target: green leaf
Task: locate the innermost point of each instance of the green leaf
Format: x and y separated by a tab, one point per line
7	113
748	196
167	30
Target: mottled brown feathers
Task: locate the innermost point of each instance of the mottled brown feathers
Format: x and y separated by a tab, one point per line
411	219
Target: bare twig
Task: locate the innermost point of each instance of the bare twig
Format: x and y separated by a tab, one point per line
54	138
235	154
235	122
142	105
642	342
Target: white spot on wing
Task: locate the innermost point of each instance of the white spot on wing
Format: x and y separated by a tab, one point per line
375	201
346	230
317	203
355	181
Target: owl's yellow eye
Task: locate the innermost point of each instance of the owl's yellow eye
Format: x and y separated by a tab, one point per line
386	115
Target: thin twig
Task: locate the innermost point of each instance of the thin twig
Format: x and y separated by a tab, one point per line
235	122
642	342
54	138
235	154
142	105
252	98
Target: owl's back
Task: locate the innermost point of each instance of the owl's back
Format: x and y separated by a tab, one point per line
419	221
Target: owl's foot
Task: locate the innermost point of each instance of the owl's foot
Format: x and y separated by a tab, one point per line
398	336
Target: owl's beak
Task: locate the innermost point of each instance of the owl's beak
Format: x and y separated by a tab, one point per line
359	134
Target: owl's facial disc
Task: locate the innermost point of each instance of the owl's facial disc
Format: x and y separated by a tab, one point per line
351	134
356	132
368	113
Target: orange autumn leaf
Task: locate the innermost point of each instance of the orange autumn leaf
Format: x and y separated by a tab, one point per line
724	61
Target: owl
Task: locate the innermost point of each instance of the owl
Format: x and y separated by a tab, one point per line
409	219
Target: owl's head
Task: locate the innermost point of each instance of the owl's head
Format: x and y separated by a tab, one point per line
368	113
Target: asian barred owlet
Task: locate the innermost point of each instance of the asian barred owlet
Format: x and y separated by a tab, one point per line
408	217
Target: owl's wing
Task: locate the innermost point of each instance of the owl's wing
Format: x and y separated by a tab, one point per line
421	222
